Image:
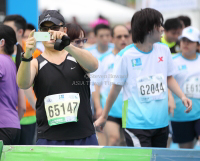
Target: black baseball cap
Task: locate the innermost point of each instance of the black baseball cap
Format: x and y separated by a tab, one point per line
52	16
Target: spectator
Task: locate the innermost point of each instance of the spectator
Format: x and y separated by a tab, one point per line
173	29
185	21
186	126
91	38
29	28
76	34
10	95
77	38
28	122
102	46
120	37
18	24
55	72
103	38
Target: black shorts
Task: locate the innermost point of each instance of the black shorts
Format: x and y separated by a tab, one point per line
10	136
147	138
184	132
90	140
116	120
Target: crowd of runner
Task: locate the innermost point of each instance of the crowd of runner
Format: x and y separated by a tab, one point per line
135	84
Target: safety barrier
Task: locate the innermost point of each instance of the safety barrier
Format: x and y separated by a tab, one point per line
91	153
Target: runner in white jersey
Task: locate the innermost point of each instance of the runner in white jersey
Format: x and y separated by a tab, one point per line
102	46
120	35
103	38
144	71
188	78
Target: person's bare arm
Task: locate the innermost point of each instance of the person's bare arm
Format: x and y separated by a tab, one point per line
174	87
30	96
114	92
171	103
27	70
96	99
21	104
86	60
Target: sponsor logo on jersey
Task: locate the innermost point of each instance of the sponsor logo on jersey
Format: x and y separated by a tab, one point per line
111	66
136	62
182	67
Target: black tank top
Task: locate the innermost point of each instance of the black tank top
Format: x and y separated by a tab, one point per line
64	78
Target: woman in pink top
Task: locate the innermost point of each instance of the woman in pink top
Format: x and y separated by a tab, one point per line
10	95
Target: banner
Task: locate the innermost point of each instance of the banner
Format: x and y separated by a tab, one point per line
95	153
169	5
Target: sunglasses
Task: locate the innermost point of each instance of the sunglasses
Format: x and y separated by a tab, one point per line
80	40
54	27
120	36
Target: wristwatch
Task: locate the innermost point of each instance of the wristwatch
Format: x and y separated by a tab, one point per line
25	59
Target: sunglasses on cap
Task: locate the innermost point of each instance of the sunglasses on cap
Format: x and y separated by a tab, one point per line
120	36
84	40
47	28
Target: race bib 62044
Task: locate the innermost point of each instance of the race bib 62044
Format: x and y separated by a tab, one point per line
62	108
151	88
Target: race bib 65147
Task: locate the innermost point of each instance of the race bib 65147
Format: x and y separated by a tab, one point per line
62	108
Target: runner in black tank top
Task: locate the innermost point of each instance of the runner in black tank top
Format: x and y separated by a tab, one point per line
64	78
61	85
